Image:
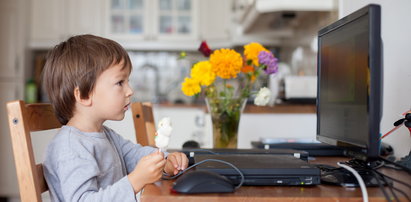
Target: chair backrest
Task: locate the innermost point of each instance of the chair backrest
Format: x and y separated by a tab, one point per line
144	125
24	118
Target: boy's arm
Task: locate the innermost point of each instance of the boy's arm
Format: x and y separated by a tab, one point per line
78	181
131	152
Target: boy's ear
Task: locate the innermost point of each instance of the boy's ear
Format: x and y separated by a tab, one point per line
82	101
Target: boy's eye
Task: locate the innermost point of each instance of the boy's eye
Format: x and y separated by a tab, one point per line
120	83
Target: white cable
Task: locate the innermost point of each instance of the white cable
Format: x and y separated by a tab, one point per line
360	180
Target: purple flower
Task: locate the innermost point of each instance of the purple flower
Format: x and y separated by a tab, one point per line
269	61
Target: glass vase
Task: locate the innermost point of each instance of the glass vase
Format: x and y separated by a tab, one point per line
225	117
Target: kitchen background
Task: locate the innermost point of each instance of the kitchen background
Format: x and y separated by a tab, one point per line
154	32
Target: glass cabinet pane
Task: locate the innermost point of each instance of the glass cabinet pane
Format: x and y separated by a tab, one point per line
166	25
183	5
165	5
126	16
136	24
117	4
184	24
135	4
173	17
117	24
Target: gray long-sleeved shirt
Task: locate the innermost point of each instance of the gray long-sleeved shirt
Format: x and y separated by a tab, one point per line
82	166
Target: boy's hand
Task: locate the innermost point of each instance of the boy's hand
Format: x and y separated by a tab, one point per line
175	162
148	170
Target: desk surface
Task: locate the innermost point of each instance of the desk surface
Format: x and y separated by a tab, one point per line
160	191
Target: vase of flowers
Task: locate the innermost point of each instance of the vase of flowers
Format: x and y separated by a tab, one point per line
226	79
225	117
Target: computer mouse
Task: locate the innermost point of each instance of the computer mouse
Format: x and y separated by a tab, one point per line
199	181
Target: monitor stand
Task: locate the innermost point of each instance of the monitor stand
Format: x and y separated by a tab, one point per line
341	176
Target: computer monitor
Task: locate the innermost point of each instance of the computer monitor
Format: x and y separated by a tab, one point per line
349	100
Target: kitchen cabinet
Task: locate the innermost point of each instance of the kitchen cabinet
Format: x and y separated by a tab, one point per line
188	123
192	122
136	24
8	178
153	24
216	21
53	21
12	53
8	56
47	26
84	17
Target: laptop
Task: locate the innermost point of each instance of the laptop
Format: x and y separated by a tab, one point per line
262	169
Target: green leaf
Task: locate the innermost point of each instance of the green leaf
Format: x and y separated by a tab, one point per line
249	62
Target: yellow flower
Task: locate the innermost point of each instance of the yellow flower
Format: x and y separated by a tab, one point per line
202	73
190	87
226	63
252	50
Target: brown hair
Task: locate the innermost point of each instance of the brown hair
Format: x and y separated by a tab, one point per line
78	62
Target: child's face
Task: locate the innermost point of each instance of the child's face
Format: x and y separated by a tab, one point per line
111	96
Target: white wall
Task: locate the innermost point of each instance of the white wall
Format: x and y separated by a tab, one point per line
396	32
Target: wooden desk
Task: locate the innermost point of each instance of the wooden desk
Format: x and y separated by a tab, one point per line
160	191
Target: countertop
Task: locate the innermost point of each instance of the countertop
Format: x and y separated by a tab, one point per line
250	108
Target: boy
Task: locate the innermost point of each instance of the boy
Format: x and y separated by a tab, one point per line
86	78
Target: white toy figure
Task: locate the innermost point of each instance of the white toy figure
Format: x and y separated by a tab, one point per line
163	133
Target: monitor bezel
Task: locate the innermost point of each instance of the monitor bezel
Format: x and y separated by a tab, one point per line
370	151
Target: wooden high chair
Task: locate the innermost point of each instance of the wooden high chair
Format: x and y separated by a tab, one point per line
144	125
25	118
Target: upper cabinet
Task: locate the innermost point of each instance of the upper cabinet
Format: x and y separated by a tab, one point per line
135	24
46	22
84	17
216	22
8	53
142	24
55	20
128	19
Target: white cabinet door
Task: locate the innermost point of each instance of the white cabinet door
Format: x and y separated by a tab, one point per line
127	20
47	23
53	21
215	20
152	22
8	22
85	17
8	178
175	20
188	124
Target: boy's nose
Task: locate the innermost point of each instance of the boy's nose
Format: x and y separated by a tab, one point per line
129	91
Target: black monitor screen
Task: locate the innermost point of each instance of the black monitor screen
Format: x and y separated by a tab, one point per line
349	84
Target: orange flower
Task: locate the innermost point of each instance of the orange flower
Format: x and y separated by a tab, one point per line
226	63
247	68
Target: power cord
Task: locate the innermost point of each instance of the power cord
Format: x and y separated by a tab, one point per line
396	164
380	185
359	179
208	160
398	181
